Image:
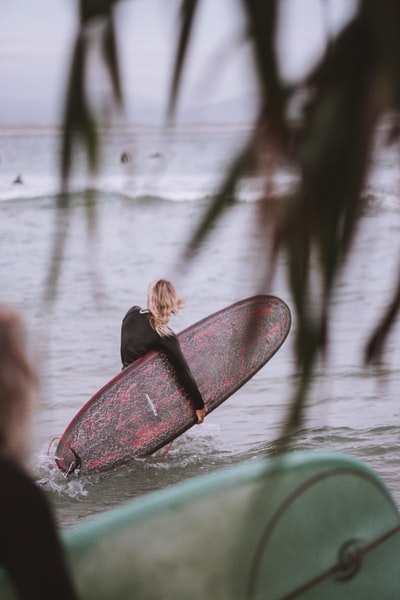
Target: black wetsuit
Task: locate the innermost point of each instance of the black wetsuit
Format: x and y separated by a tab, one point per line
30	549
138	337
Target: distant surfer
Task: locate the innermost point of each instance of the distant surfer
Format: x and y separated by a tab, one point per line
30	549
147	329
18	180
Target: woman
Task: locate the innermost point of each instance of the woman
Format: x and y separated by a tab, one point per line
30	550
147	329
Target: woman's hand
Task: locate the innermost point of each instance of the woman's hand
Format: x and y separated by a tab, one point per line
200	414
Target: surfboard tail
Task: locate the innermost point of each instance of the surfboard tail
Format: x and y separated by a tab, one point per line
67	459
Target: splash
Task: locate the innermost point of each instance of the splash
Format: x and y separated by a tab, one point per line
50	478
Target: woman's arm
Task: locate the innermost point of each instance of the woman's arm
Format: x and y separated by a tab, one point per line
173	350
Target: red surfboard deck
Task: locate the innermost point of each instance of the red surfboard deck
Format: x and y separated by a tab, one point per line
143	407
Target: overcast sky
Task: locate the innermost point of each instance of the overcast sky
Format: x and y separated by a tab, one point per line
36	40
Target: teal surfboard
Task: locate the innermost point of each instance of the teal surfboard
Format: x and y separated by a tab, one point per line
304	525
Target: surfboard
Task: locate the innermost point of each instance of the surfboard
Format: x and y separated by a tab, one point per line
143	407
305	525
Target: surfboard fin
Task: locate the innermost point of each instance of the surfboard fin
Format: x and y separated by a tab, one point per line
75	465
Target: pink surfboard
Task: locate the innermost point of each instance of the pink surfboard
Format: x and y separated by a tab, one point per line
143	407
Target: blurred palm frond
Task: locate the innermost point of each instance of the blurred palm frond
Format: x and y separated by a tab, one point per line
355	84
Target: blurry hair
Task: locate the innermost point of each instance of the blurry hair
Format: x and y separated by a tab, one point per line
162	302
18	384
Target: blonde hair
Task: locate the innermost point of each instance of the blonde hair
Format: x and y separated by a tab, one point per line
162	302
18	382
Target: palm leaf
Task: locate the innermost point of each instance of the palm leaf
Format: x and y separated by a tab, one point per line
188	12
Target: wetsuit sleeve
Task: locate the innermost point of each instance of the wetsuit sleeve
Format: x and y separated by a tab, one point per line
172	348
30	549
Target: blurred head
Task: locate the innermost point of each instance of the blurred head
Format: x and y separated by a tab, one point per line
162	302
18	384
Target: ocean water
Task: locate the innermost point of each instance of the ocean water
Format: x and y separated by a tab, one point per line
145	211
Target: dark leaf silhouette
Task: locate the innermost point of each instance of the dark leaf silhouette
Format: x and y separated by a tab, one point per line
355	84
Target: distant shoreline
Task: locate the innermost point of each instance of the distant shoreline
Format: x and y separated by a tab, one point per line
387	121
131	128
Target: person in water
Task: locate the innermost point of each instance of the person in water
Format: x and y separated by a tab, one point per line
30	549
18	179
147	329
